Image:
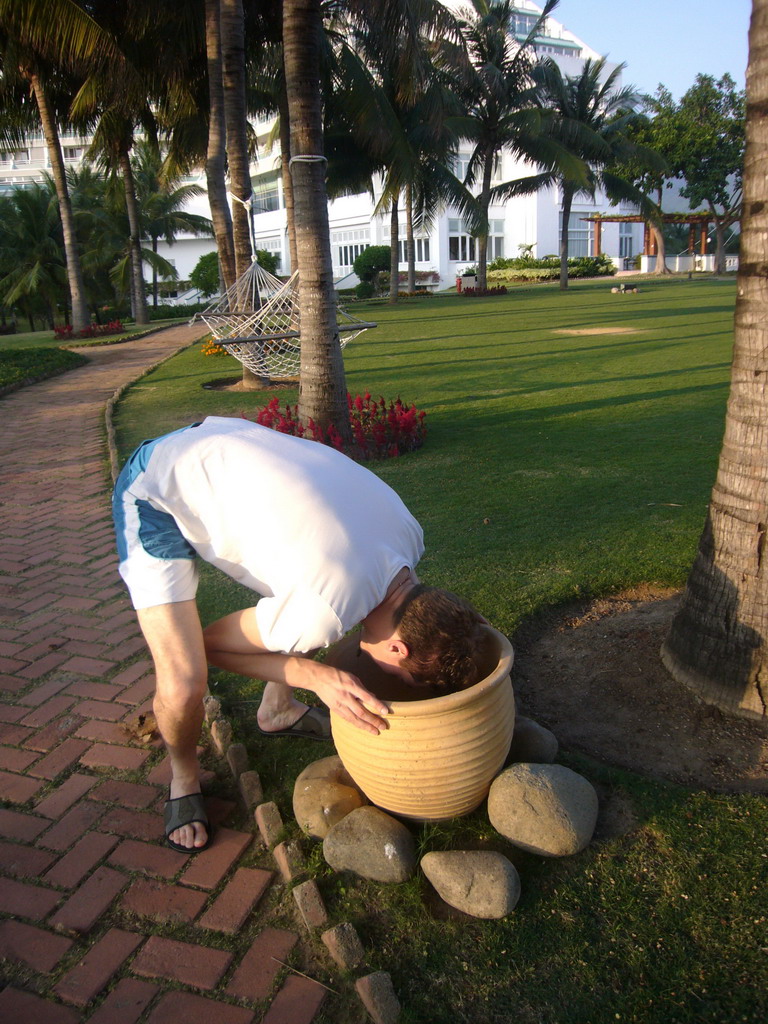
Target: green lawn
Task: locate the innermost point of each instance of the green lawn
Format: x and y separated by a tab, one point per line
557	465
32	356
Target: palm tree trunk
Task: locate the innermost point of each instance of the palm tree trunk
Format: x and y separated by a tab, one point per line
322	392
394	250
661	250
410	243
154	273
80	316
233	62
134	223
484	200
215	162
718	642
719	242
285	170
564	230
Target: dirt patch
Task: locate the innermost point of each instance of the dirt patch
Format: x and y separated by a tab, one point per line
602	330
236	384
592	674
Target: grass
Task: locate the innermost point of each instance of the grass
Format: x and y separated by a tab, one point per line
557	465
32	356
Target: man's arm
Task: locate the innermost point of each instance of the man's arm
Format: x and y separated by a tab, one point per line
234	643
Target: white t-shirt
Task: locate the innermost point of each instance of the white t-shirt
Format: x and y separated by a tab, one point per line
317	535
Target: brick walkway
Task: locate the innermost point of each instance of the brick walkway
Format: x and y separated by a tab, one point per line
99	920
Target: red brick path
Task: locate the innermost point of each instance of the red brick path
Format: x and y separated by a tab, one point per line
99	921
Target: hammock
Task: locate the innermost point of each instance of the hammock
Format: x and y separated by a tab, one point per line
257	321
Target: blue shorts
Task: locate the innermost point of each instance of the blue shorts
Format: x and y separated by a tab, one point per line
157	563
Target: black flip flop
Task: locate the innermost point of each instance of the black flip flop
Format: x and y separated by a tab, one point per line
314	724
184	810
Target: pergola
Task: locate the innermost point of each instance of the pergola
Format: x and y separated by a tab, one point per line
693	220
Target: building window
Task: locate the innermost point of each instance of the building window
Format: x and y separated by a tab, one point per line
347	246
272	245
579	235
626	240
495	239
266	195
461	245
459	165
421	250
73	152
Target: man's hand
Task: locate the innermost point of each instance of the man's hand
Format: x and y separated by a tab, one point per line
345	695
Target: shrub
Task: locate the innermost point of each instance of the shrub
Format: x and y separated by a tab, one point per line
66	333
380	430
365	290
372	261
496	290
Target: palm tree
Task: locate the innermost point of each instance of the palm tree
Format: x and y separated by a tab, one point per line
589	117
41	57
32	267
500	108
232	26
162	199
718	643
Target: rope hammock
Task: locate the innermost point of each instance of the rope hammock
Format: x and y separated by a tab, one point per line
258	321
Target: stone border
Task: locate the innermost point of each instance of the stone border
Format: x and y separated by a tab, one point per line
341	941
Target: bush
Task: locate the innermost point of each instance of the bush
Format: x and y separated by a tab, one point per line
496	290
66	333
372	261
523	268
380	430
20	366
365	290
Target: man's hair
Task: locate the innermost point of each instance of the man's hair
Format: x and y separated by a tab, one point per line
444	634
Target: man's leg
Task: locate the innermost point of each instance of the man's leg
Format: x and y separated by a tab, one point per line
233	643
175	639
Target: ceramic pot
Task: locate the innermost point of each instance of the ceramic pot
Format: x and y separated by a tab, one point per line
438	757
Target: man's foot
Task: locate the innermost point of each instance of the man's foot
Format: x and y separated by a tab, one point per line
186	821
312	724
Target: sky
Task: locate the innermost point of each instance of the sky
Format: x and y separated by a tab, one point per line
667	41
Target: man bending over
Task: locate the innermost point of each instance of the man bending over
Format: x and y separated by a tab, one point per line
325	543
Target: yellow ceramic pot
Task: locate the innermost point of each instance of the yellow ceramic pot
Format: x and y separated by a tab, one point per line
438	757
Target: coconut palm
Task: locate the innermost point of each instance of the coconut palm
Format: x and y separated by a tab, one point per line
500	103
718	643
45	61
162	199
32	266
589	116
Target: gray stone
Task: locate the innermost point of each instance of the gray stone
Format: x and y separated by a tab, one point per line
310	904
532	743
544	808
250	788
378	997
221	734
481	883
212	707
371	844
237	759
323	794
270	822
344	945
289	859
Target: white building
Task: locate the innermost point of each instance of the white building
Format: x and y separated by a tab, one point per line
443	250
446	248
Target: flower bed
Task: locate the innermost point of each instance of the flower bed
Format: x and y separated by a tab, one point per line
380	430
67	333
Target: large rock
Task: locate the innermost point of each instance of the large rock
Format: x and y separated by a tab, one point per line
531	742
323	794
478	882
371	844
544	808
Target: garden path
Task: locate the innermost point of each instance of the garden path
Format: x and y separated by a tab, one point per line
99	920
